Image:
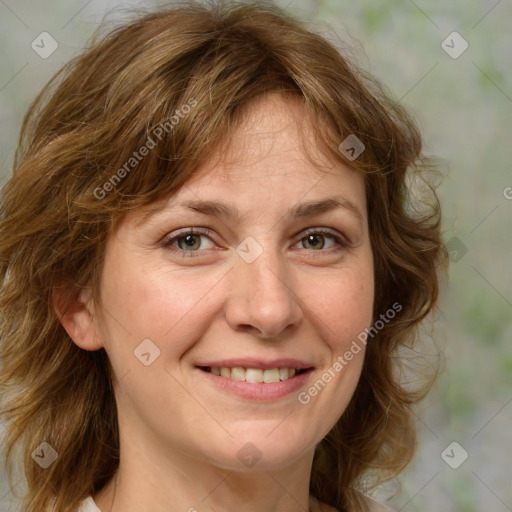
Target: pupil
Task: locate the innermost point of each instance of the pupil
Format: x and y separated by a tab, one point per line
313	240
190	239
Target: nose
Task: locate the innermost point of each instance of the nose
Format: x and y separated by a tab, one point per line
263	298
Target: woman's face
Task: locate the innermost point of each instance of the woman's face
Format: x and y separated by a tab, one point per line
278	274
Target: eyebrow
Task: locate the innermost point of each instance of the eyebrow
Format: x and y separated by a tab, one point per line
299	211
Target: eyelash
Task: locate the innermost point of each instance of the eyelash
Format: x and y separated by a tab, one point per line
341	241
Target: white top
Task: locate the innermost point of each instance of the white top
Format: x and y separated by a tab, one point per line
88	505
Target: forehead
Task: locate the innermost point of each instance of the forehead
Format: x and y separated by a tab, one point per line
273	132
275	141
270	158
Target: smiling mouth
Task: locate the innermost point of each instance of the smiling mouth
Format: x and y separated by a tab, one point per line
254	375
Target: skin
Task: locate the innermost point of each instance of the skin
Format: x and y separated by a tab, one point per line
180	434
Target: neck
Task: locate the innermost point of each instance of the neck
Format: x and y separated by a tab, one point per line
193	485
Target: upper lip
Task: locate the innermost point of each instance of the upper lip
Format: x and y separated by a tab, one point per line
252	362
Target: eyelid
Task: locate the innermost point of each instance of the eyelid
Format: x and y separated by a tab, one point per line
339	237
186	231
341	240
174	235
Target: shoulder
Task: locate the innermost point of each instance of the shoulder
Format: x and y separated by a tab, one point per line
88	505
318	506
374	506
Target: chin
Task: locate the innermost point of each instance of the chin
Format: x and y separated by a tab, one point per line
263	450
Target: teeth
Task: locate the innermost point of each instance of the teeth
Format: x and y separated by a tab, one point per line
237	373
254	375
271	375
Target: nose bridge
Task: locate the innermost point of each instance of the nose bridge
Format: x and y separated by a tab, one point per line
263	294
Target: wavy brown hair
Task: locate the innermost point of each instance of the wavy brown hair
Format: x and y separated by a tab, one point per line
56	214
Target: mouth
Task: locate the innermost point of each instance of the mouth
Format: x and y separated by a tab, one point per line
257	381
255	375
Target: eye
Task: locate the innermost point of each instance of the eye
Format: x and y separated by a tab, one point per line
189	241
318	239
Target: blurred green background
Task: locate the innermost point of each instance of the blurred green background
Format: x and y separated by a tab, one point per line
463	104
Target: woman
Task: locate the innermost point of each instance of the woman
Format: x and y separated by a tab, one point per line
209	263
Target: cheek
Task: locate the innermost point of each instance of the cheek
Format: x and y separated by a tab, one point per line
167	307
345	306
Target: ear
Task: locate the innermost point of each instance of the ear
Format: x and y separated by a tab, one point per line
76	314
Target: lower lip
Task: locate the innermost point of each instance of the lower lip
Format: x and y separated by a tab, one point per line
259	391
